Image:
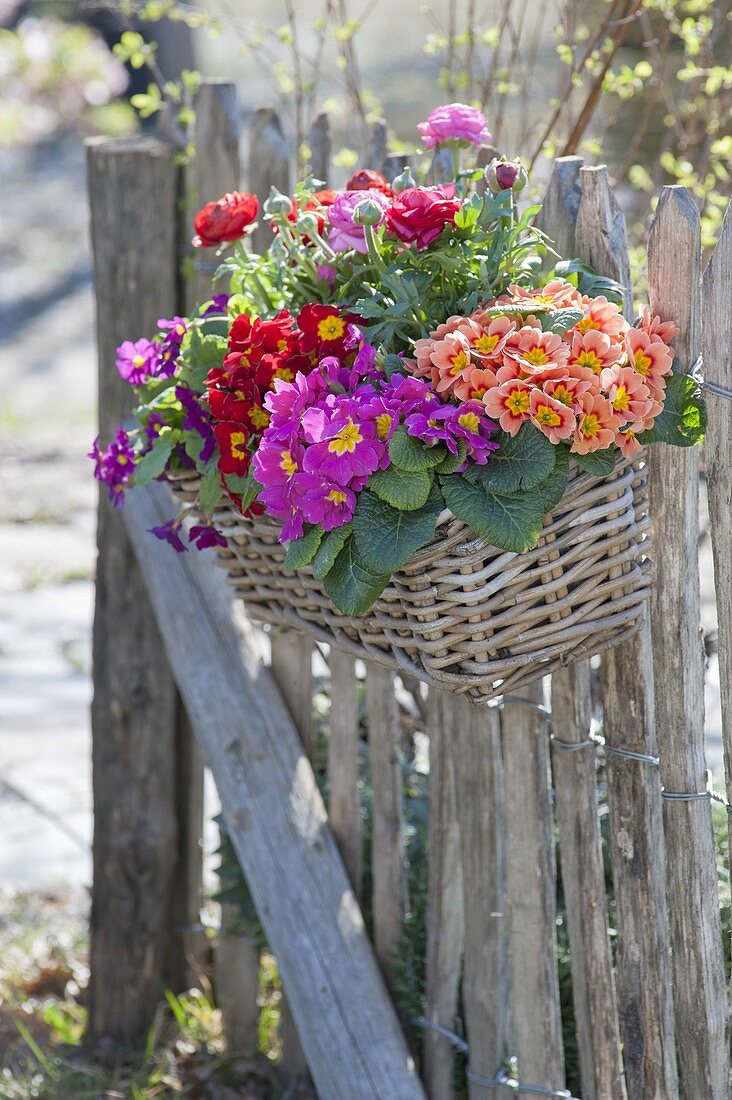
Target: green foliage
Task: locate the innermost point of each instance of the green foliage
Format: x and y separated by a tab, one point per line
401	489
300	552
589	282
410	455
521	462
387	537
597	463
329	549
154	462
509	522
351	585
683	419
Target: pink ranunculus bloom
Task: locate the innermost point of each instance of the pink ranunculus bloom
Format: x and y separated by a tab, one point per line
343	233
557	293
473	388
570	389
419	214
628	444
455	122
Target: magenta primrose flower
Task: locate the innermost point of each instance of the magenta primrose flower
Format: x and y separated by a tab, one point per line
455	122
322	501
138	361
343	447
344	234
115	466
434	423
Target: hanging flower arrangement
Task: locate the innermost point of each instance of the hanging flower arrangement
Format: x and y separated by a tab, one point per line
402	352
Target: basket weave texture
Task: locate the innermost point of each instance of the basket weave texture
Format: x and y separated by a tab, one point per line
463	615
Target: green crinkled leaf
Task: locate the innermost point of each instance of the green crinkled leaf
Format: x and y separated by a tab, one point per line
508	522
513	309
329	549
204	351
409	454
453	462
402	490
522	461
683	419
300	552
211	490
246	487
351	585
597	463
154	462
561	320
387	537
552	489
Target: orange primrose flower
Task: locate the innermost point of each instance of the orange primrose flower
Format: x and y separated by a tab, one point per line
554	419
509	404
596	425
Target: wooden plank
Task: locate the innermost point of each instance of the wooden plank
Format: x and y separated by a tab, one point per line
277	822
674	257
343	740
583	882
643	975
131	182
531	889
376	151
387	844
558	214
475	740
320	147
269	166
445	920
716	298
214	170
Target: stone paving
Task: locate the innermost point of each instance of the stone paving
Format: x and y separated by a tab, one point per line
47	498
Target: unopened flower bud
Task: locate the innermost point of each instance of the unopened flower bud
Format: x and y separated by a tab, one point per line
367	212
506	175
278	250
277	205
404	181
307	225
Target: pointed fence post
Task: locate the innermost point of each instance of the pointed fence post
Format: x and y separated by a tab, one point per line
643	975
344	808
558	214
269	166
132	182
531	888
674	257
320	147
716	340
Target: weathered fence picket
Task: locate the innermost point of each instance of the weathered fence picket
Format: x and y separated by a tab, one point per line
716	341
700	1001
491	912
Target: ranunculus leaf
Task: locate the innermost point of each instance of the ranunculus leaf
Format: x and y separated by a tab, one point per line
597	463
522	461
393	364
683	419
351	585
154	462
386	537
401	489
409	454
300	552
508	522
329	549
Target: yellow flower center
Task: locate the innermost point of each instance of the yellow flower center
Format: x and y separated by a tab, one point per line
138	360
331	328
517	402
459	362
641	363
282	345
542	297
337	496
536	356
470	422
548	416
432	423
383	424
621	401
590	425
288	464
346	439
485	344
238	444
591	360
259	416
586	324
476	395
563	395
284	373
122	459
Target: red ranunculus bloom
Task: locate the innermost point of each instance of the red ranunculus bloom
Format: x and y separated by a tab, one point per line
419	214
228	219
368	180
320	199
234	457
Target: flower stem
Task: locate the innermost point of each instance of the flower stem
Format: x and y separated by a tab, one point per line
374	254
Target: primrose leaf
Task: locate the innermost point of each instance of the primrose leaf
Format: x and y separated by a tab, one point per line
683	419
329	549
508	522
154	462
211	491
409	454
597	463
300	552
351	585
402	490
387	537
522	461
561	320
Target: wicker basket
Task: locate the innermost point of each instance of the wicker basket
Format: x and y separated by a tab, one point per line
463	615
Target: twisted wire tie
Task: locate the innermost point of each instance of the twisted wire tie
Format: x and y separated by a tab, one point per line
713	387
502	1079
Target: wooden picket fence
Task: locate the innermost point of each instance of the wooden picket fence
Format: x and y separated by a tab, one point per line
178	676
